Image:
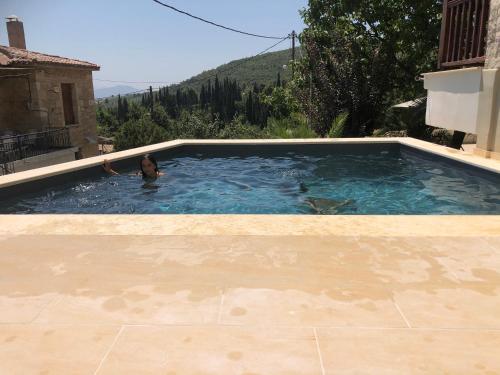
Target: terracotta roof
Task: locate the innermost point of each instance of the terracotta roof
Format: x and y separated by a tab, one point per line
11	56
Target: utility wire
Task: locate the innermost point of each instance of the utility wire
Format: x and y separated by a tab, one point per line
213	23
234	66
144	82
188	82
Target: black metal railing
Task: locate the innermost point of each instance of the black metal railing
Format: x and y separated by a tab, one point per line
22	146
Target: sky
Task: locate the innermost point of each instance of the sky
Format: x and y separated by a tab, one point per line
138	40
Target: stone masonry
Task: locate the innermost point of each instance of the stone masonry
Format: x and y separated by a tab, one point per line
493	42
44	110
48	87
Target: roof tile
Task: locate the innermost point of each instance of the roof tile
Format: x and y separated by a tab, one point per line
11	56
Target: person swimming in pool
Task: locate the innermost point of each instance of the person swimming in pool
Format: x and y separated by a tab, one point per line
148	166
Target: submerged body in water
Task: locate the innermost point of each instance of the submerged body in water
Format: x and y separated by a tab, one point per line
323	206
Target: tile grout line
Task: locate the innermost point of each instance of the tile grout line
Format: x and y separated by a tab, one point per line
319	351
109	350
402	315
204	325
52	302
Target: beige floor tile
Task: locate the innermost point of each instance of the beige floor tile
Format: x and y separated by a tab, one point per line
266	262
23	308
54	350
156	304
247	284
433	260
358	305
473	265
355	351
213	350
465	306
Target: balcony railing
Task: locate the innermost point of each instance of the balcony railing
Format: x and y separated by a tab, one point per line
463	33
22	146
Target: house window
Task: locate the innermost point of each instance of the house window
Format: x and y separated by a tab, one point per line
69	103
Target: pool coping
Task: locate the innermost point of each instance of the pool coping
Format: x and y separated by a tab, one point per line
456	226
58	169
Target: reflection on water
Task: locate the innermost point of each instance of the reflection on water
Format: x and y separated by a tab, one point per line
377	183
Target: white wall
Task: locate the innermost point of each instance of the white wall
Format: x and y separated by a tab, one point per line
467	100
453	99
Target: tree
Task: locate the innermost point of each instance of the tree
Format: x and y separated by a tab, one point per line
159	117
196	125
137	133
125	106
281	103
361	56
120	109
249	108
107	122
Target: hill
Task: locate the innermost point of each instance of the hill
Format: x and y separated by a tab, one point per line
261	69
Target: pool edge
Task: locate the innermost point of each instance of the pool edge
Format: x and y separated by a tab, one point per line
252	225
490	165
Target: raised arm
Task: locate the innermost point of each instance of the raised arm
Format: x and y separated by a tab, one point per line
106	165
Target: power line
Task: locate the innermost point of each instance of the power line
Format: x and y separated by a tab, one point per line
237	65
170	83
213	23
138	82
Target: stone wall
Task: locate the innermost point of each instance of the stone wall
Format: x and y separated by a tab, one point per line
493	48
15	115
46	110
48	83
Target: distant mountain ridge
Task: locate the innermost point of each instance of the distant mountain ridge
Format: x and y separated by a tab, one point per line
106	92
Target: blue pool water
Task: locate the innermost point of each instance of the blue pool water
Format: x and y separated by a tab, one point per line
381	182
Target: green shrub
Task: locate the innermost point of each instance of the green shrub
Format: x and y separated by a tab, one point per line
338	125
137	133
236	129
294	126
195	125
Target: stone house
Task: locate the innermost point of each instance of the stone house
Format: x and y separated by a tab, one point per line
48	97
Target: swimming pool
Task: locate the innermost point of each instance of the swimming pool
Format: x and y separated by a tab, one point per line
329	179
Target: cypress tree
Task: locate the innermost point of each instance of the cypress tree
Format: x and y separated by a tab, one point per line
119	113
249	108
203	97
125	109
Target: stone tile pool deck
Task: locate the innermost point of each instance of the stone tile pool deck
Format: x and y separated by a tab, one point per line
249	295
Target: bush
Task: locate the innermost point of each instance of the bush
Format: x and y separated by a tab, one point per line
107	124
137	133
281	103
236	129
294	126
411	120
197	125
338	125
